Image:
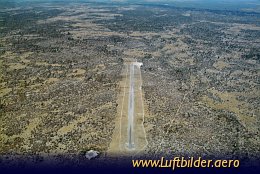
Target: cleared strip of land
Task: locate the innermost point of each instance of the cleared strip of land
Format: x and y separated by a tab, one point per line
129	136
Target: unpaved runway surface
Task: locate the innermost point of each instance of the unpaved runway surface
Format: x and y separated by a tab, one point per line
129	136
131	102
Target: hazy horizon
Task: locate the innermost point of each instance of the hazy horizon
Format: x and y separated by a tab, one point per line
248	5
